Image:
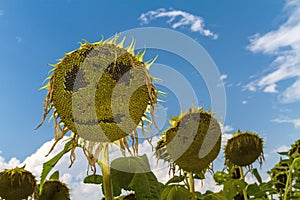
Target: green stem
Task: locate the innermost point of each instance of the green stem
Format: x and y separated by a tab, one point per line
245	189
104	164
192	185
289	179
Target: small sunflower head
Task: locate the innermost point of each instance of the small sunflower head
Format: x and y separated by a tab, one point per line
54	190
244	148
16	184
192	142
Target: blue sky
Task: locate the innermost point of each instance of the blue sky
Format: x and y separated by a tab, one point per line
255	45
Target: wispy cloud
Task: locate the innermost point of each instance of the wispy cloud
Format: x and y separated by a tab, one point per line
282	148
19	39
295	122
284	44
1	12
178	18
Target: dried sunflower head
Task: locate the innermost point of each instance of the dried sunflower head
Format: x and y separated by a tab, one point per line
54	190
16	184
100	93
244	148
192	142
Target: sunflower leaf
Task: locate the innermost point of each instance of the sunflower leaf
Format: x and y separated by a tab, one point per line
47	166
134	173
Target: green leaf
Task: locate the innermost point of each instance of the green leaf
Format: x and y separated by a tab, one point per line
283	153
175	179
134	173
233	187
296	185
93	179
175	192
47	166
257	175
55	176
215	196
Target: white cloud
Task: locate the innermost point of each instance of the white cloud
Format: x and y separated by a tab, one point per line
13	162
226	128
284	44
244	102
195	22
271	88
223	77
1	12
295	122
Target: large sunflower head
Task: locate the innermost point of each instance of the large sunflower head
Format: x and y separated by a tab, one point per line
244	148
192	142
100	93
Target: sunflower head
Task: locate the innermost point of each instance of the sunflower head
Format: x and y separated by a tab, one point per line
16	184
54	190
192	142
100	92
244	148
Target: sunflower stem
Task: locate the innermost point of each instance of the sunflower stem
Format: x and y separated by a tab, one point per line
243	178
107	182
192	185
289	179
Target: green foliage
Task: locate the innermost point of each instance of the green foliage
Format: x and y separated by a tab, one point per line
175	192
93	179
55	176
47	166
134	173
233	187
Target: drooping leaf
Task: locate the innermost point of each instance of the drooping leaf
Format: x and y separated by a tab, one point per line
175	192
134	173
47	166
55	176
257	175
93	179
283	153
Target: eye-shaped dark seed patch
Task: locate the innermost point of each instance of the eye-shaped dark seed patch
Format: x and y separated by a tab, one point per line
76	74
